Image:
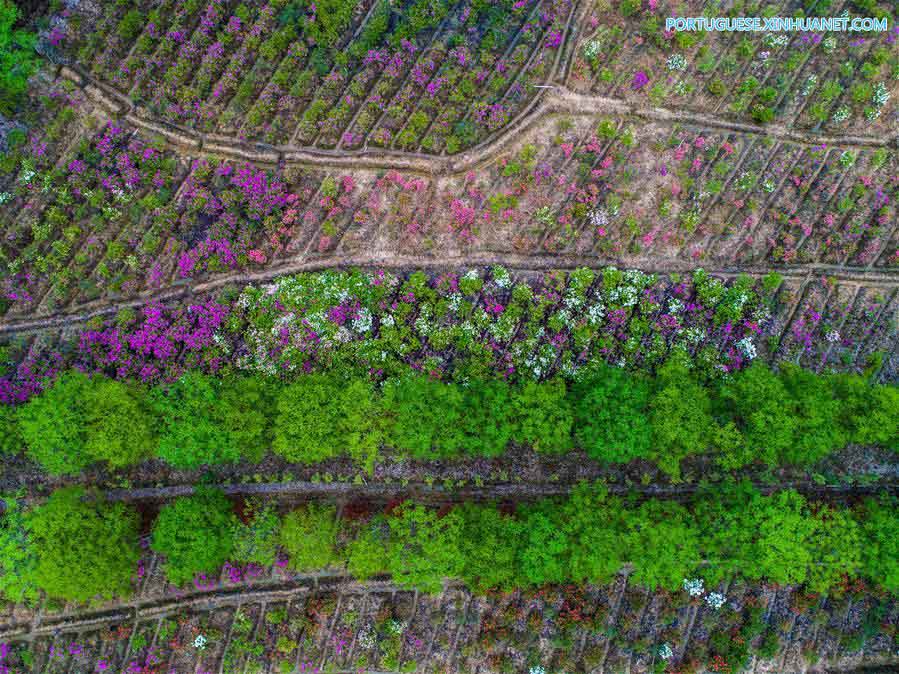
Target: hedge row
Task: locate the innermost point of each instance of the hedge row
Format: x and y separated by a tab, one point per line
78	549
789	417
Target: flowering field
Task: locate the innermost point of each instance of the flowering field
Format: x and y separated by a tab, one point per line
376	626
446	335
834	82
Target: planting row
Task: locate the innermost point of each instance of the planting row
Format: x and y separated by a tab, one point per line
590	536
374	324
95	211
757	415
617	627
838	81
416	75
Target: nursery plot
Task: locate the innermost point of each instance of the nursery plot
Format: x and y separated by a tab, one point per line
415	77
837	82
751	626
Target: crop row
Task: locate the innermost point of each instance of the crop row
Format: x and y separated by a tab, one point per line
837	81
597	628
96	210
427	76
421	549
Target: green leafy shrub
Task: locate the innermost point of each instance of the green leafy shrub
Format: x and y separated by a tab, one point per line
256	540
18	60
611	411
195	533
17	555
309	536
84	550
424	547
320	416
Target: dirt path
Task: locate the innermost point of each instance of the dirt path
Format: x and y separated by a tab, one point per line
539	262
548	103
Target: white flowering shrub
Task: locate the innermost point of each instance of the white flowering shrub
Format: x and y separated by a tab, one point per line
694	586
665	651
715	600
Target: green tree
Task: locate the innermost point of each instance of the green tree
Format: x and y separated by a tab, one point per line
195	533
424	417
488	547
118	428
256	540
836	548
782	529
880	552
543	555
764	412
18	558
367	552
18	60
817	411
309	536
485	422
11	441
321	416
680	414
84	549
542	416
662	543
52	425
192	418
611	415
424	547
593	523
247	404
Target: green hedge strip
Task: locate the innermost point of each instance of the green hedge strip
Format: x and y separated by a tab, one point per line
788	417
76	549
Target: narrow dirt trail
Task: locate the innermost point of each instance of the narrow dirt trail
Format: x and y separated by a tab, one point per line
517	262
550	102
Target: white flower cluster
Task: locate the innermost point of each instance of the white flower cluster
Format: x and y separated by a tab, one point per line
832	336
769	186
840	115
809	85
537	669
665	651
395	626
366	638
694	586
881	95
676	62
599	217
715	600
747	348
200	642
591	49
501	277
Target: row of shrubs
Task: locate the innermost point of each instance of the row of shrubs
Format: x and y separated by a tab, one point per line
789	417
77	548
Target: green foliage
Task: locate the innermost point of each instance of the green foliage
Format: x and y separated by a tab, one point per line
195	533
425	417
542	416
193	420
424	547
309	536
545	545
17	555
118	428
880	550
781	551
18	60
84	549
680	414
256	540
611	415
663	542
367	553
594	526
11	441
320	416
52	425
487	547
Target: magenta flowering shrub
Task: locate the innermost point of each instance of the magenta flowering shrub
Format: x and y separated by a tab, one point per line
251	71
